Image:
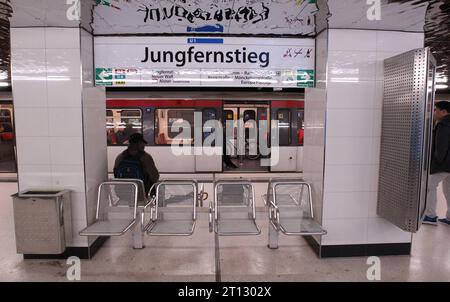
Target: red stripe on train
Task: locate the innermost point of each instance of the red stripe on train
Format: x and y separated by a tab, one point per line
163	103
191	103
288	104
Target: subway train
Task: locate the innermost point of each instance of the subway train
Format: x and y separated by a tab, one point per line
7	144
154	115
154	118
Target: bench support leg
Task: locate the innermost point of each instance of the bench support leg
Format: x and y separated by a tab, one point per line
138	234
273	237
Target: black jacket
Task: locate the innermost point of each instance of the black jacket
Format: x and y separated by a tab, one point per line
148	165
440	150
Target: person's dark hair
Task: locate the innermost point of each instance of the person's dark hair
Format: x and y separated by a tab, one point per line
443	105
135	138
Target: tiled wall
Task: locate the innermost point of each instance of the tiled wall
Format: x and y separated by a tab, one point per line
48	95
353	130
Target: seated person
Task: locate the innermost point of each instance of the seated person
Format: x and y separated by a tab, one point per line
135	163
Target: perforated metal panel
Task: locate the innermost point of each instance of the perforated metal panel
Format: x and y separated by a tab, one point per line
406	128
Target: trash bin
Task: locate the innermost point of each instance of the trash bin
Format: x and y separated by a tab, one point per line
43	221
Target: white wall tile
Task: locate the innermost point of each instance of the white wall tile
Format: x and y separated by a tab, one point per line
60	38
346	205
64	93
94	97
373	202
321	59
352	40
391	41
28	64
29	93
374	171
348	150
63	63
87	41
349	122
351	95
34	176
379	92
66	150
351	66
78	240
91	204
28	38
33	151
346	178
68	177
88	68
65	122
345	231
31	121
382	231
79	206
376	145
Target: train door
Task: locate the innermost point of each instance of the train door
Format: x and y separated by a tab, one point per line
7	145
244	135
208	152
289	115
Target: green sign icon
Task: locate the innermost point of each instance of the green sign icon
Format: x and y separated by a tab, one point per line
103	76
305	78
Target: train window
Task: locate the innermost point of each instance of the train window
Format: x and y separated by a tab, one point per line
300	126
166	118
209	114
284	125
249	115
7	154
228	115
121	123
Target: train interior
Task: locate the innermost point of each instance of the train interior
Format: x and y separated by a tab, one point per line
7	148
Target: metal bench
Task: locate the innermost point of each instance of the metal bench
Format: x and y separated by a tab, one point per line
232	212
116	209
174	210
291	210
120	204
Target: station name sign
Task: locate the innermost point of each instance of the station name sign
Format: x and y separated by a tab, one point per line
206	61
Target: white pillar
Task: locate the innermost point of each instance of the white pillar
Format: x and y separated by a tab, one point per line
346	108
60	117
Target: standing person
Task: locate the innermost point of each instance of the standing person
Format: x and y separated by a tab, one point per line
136	163
440	164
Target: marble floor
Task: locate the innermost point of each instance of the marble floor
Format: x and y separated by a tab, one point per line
241	258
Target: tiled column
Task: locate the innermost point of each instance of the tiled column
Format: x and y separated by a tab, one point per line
352	86
60	117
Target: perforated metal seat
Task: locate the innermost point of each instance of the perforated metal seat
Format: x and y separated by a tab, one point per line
174	211
291	209
232	213
116	208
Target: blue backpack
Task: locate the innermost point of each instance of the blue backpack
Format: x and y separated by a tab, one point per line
130	167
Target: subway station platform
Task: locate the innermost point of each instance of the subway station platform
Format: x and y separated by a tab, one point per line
234	259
